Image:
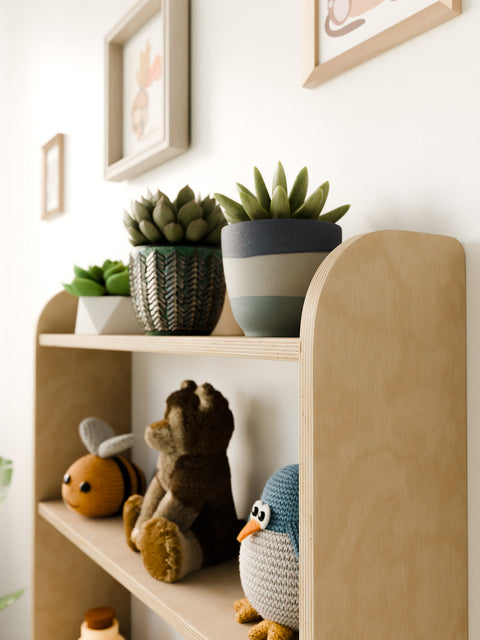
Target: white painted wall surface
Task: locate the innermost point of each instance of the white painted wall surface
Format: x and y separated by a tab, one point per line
398	137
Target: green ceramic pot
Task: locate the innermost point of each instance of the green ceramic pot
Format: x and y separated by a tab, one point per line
177	290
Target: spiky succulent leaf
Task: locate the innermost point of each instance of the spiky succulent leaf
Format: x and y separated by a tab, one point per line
184	195
118	284
299	190
208	204
196	230
233	211
325	188
214	237
173	232
241	189
279	178
81	273
68	288
87	287
188	212
163	214
147	203
261	189
140	212
254	209
150	231
311	206
215	219
335	214
128	221
136	237
280	206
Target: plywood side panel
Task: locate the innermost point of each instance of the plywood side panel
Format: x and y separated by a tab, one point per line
383	442
71	385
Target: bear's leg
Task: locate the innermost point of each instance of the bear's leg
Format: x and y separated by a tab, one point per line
168	553
131	509
153	496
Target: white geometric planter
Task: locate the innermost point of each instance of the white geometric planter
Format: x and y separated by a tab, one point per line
100	315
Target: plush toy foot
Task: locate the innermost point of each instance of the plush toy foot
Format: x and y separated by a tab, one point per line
268	630
131	510
244	612
167	553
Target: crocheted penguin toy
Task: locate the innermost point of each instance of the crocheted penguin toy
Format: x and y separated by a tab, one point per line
269	560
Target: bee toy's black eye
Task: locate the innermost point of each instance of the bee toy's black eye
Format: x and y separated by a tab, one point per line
85	487
66	478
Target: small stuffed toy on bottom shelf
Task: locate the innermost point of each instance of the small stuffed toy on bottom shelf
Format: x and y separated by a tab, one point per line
187	519
269	560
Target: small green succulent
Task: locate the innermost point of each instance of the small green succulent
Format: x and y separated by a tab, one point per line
112	278
157	220
281	204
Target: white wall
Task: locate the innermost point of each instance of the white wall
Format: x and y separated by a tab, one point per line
398	137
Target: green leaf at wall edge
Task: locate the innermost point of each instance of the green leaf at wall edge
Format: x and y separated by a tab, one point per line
10	598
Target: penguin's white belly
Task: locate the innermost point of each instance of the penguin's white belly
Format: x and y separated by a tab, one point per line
269	576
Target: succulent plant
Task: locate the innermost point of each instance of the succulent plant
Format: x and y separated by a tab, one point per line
157	220
281	204
112	278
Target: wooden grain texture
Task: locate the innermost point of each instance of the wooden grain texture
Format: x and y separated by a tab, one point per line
284	349
71	385
316	72
199	607
383	442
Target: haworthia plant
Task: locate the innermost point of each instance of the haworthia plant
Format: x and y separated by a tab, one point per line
157	220
112	278
280	204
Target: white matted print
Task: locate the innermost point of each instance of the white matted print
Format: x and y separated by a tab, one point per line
143	87
146	88
344	33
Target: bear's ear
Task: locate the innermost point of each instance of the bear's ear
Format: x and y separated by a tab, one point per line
188	384
205	393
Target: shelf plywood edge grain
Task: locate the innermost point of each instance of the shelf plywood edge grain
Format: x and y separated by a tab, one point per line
200	607
283	349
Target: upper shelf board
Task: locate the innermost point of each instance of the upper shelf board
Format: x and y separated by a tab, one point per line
286	349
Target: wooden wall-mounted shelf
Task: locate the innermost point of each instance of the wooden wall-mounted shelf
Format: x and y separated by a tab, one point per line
383	504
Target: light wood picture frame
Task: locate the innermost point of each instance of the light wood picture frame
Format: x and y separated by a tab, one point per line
336	41
53	176
146	88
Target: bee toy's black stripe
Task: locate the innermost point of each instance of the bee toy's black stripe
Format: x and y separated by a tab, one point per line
127	485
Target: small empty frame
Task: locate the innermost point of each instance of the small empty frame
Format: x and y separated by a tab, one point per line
146	88
53	159
341	34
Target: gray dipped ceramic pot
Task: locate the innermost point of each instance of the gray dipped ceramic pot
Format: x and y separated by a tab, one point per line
268	267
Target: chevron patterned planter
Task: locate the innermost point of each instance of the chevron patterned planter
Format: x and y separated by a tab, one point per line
268	267
177	289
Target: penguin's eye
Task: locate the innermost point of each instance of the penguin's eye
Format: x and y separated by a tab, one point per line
261	513
85	487
66	478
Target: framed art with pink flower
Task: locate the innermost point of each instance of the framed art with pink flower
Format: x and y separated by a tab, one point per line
146	88
341	34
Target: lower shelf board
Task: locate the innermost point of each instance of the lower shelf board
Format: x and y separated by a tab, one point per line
200	606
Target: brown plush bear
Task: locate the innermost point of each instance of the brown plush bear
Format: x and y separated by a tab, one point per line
187	518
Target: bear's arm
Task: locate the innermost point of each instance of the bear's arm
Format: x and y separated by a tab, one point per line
176	510
153	496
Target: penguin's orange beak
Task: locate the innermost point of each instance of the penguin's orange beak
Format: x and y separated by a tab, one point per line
251	527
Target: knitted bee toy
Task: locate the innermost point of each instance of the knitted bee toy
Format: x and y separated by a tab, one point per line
269	560
98	484
187	519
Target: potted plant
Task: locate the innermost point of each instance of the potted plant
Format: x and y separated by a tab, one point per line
176	270
104	303
272	248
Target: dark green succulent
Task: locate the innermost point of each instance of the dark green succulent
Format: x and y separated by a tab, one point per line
112	278
281	204
156	220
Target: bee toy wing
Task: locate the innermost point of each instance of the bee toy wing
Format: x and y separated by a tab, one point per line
93	432
114	445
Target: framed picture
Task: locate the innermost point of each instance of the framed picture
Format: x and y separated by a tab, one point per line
341	34
52	196
146	88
